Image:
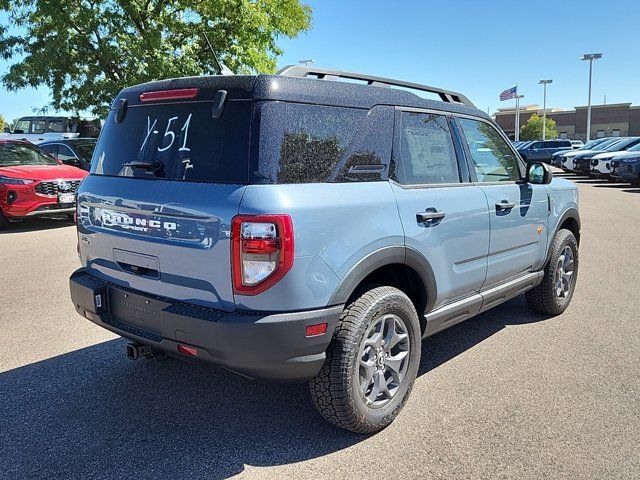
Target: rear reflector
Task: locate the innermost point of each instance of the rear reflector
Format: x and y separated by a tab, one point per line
316	330
192	352
168	94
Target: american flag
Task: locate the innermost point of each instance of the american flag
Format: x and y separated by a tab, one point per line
509	93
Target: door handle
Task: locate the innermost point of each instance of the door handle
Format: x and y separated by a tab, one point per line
504	205
430	215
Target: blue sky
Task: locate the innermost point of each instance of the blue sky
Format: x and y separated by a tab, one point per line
476	47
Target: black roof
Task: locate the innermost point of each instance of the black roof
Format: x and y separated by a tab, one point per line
298	89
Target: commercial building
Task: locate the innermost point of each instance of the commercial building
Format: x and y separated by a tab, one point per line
618	119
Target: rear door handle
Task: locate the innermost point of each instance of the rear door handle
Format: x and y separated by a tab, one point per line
504	205
430	215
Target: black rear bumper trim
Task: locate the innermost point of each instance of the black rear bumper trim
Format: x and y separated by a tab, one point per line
264	345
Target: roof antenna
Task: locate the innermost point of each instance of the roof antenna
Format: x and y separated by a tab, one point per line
222	68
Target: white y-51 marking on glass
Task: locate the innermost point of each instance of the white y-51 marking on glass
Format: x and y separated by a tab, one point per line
185	127
169	133
149	130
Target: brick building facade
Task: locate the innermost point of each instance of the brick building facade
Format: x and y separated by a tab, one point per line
619	119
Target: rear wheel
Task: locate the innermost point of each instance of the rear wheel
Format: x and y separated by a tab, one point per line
371	364
554	294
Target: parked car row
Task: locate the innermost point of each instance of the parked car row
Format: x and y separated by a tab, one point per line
616	158
41	180
556	144
543	150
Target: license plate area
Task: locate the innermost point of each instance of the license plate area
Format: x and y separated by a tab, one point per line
138	310
66	198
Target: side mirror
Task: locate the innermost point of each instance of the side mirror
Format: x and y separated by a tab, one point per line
539	173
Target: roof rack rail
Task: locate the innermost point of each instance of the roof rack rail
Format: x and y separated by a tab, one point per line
302	71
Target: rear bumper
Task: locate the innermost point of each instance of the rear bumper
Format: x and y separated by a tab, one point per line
269	346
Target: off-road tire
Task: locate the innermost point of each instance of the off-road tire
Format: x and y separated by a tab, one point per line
335	390
543	298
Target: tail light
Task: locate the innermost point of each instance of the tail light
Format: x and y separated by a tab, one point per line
261	251
168	94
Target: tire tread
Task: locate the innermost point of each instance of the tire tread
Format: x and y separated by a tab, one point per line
330	390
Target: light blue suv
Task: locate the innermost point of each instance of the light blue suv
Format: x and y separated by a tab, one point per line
299	227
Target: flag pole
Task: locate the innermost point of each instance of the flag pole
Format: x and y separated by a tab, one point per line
517	123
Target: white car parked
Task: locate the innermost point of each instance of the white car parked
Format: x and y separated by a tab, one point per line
601	163
567	158
603	167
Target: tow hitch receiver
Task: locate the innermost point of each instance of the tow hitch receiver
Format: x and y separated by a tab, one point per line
137	350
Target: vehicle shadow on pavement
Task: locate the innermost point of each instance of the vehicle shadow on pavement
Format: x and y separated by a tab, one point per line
34	224
94	413
593	181
620	186
450	343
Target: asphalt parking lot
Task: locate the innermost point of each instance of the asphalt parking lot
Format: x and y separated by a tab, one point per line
508	394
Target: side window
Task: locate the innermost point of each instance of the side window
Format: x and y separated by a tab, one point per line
309	143
22	126
425	153
56	126
492	158
66	155
38	126
51	150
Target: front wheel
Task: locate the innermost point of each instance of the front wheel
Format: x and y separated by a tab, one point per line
371	364
554	293
4	222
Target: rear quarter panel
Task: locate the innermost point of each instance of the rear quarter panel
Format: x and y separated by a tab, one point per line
335	226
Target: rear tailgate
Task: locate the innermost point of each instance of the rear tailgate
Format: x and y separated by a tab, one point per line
167	178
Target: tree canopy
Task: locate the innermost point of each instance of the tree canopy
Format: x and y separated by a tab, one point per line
85	51
3	123
532	130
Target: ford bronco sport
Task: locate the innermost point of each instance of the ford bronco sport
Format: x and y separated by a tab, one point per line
300	227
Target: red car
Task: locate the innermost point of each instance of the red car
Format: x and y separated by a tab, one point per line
33	183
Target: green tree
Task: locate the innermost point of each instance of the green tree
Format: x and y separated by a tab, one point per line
532	130
85	51
2	123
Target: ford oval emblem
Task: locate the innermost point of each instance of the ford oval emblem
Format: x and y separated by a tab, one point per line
64	186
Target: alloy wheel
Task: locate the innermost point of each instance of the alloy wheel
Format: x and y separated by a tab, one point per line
383	360
564	273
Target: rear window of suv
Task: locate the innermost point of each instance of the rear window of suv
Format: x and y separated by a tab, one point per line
177	141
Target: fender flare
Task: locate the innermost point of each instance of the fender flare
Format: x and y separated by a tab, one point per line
569	213
386	256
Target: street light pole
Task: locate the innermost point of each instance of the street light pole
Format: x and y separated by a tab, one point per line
306	62
591	57
544	108
517	135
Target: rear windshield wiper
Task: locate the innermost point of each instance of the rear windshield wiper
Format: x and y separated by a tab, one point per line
146	165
